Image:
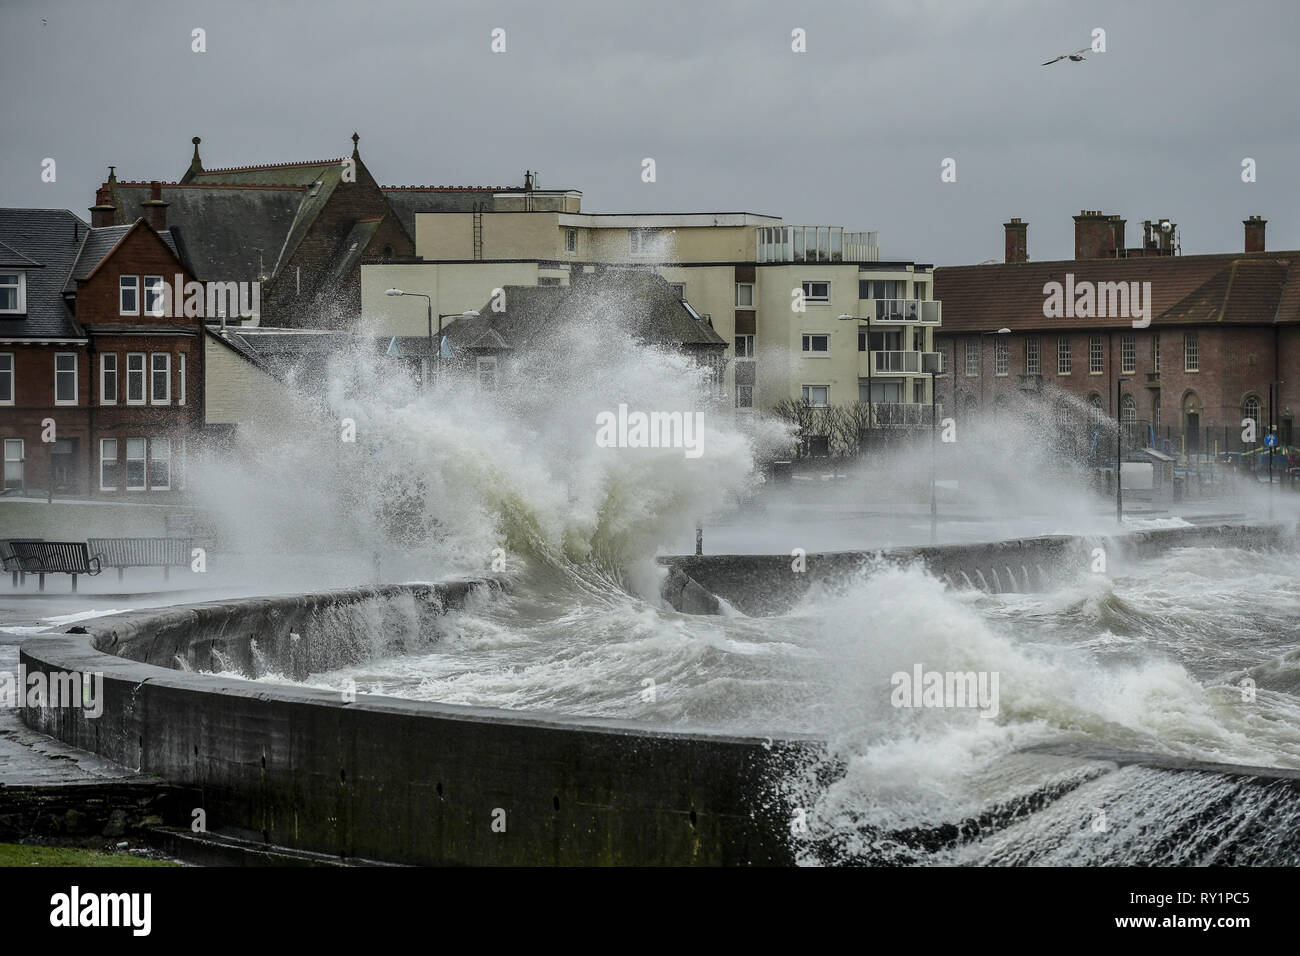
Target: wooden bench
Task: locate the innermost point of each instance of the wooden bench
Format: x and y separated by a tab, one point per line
120	553
10	560
55	557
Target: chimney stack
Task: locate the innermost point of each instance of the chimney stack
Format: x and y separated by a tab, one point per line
1254	233
155	209
1017	241
101	214
1097	235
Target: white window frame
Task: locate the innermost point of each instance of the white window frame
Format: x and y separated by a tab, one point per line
180	399
143	459
9	375
1001	357
1033	359
808	296
1155	352
143	373
749	290
1096	355
1252	400
167	377
570	240
748	392
972	357
21	301
1191	352
1128	354
104	372
123	284
153	457
21	461
153	285
743	346
117	464
805	342
58	371
641	241
804	396
1064	357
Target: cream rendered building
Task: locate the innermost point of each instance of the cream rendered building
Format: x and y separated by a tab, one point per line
776	292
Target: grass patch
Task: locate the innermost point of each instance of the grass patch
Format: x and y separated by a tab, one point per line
13	854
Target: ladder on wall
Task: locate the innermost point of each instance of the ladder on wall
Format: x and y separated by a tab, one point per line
478	230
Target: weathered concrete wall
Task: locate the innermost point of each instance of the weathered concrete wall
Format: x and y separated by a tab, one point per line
398	780
763	584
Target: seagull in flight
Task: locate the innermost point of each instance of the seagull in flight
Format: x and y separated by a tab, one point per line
1076	56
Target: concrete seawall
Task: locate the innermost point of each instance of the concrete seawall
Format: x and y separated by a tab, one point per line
764	584
398	780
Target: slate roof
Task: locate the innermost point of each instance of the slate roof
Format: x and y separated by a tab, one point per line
642	302
1233	288
406	201
51	240
99	243
300	356
225	228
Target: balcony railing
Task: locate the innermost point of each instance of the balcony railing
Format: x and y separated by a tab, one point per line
903	311
905	363
904	414
816	244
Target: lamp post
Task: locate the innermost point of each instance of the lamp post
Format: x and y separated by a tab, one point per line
982	334
934	454
871	411
1272	403
430	349
1119	452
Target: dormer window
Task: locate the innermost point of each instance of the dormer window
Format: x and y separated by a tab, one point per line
13	293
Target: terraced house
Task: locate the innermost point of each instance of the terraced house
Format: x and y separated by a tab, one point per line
1194	345
99	393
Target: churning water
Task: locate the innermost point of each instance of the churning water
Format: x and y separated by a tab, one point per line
1148	660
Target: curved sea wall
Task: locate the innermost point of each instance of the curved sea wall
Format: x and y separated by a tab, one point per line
763	584
394	780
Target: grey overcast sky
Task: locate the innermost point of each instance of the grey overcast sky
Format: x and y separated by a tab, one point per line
852	132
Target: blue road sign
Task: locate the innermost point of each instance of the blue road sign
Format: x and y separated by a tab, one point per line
1270	441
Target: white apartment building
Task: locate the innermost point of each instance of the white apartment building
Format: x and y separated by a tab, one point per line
812	312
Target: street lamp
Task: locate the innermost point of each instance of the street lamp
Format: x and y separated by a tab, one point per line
934	453
871	413
982	334
1119	454
429	300
1272	403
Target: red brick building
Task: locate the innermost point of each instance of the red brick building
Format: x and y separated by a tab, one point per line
1201	339
100	391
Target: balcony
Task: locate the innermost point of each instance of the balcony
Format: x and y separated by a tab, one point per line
904	414
905	363
902	311
816	244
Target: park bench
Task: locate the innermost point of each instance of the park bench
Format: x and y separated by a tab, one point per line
120	553
10	560
55	557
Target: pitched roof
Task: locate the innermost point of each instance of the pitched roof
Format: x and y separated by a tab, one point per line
641	301
100	242
231	231
1234	288
406	201
49	239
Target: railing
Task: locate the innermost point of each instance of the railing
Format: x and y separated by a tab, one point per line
905	363
816	244
904	414
902	311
